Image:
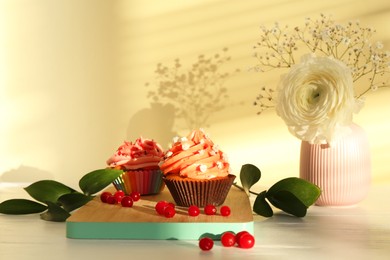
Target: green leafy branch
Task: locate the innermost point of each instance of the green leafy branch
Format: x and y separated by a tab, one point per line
292	195
54	200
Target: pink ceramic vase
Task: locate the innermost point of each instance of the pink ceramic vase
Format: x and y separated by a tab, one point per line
342	171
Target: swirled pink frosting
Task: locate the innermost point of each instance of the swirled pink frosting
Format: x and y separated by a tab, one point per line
142	154
195	157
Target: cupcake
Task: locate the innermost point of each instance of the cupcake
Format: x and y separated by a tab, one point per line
196	172
140	164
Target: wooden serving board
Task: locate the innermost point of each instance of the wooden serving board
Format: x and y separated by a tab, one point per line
98	220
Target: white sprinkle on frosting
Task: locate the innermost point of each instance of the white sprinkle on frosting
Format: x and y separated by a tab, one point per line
220	165
202	168
185	146
176	139
225	157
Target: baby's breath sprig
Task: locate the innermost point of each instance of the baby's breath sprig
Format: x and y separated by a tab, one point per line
265	98
281	47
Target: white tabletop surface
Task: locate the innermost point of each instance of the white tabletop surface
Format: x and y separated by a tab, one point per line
359	232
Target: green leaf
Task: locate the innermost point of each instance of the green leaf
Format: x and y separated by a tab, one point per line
249	175
303	190
97	180
55	213
21	206
73	201
288	202
261	206
48	190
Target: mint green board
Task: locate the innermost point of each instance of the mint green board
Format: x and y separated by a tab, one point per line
97	220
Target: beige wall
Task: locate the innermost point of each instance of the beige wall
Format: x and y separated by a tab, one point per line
73	74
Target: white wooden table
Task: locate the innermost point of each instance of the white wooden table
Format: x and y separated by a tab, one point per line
360	232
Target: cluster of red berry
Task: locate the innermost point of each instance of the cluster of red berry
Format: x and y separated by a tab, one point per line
243	239
167	209
120	197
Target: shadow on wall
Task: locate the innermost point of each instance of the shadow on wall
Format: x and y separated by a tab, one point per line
25	174
194	92
154	123
182	98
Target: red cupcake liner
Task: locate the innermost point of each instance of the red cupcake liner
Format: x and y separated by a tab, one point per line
143	181
187	192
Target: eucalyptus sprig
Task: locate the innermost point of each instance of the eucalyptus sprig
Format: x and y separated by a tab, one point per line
54	200
292	195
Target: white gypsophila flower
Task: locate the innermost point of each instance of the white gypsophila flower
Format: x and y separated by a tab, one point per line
379	45
346	41
316	99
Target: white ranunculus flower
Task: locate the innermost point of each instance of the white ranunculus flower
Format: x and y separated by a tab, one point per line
316	99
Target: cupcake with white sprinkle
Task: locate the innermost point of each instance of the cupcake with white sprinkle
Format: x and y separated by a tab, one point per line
196	171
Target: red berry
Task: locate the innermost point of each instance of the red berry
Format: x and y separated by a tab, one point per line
135	195
246	240
225	211
160	206
127	201
228	239
193	211
111	199
210	210
104	196
119	195
239	234
169	212
206	244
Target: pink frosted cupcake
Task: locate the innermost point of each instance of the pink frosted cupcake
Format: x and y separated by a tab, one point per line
196	171
140	164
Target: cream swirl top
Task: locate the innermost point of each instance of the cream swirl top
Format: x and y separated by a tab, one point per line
195	157
142	154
